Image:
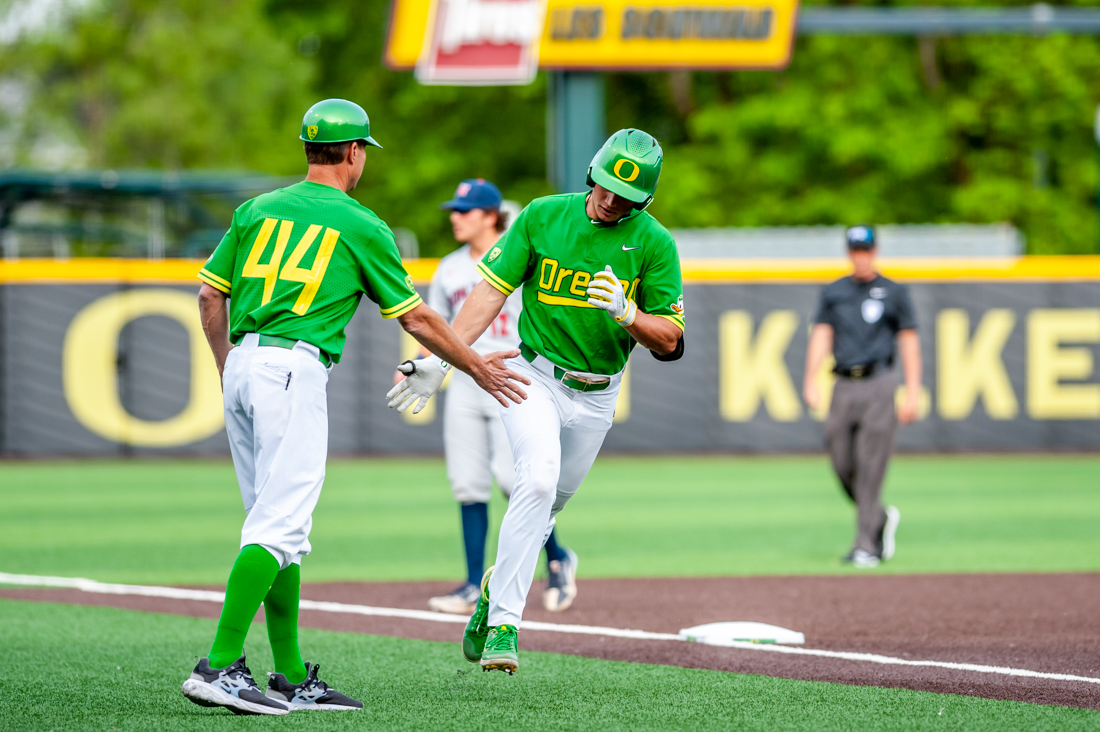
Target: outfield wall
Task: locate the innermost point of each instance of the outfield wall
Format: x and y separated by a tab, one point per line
106	357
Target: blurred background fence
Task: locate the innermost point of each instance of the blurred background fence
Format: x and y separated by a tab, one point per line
102	357
969	134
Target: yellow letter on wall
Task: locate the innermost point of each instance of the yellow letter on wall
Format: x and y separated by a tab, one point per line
90	367
1048	363
622	401
750	371
968	368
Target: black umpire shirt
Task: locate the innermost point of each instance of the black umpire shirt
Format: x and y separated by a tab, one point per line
866	317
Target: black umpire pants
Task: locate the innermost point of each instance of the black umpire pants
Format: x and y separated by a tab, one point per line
859	435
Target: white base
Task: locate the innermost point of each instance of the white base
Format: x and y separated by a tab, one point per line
720	634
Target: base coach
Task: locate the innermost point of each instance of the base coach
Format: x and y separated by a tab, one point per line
865	320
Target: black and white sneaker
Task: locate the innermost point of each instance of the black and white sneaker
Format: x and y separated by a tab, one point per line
231	687
310	694
561	585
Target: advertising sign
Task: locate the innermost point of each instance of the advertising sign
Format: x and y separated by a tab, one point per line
481	42
608	35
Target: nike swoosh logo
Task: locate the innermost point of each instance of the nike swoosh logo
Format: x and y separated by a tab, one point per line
629	249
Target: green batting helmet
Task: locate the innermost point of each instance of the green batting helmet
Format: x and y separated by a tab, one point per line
629	165
336	120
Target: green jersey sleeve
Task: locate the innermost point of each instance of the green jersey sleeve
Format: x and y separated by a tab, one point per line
385	280
661	290
218	270
510	263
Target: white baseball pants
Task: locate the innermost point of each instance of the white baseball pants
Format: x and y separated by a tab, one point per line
555	435
475	442
276	415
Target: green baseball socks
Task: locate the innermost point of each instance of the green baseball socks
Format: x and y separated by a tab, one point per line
281	609
256	578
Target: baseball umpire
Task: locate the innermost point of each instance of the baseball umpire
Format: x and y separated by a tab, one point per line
599	275
474	441
865	320
296	263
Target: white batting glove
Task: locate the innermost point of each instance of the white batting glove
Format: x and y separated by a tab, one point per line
606	292
422	379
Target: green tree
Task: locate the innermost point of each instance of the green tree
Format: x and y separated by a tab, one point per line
433	136
886	130
167	83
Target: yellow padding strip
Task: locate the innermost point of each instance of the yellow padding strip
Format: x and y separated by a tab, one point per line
1037	268
101	269
695	271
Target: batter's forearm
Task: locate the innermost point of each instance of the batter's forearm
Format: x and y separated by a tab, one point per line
655	333
480	309
214	316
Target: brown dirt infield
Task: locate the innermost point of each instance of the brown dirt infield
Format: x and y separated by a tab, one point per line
1046	622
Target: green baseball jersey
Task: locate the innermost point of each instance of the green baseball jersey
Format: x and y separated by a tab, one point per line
295	263
553	249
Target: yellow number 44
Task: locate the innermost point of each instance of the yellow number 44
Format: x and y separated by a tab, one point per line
291	272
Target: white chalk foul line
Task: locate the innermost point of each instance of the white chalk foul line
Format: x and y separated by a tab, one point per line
179	593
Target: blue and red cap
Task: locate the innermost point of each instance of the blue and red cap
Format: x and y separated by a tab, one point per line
474	193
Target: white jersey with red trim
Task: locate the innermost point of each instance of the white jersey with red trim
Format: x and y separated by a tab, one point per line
453	281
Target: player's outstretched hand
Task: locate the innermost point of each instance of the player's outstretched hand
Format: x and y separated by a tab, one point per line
606	292
422	379
499	380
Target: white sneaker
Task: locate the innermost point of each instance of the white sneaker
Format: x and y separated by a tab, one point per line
861	559
561	585
889	532
462	601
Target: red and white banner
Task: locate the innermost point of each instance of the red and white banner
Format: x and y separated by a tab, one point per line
482	42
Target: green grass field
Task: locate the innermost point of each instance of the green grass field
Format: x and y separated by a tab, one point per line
162	522
179	522
77	668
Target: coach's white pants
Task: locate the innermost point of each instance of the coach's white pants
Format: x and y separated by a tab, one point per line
555	435
475	443
276	415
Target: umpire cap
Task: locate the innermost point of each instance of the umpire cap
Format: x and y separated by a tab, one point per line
861	237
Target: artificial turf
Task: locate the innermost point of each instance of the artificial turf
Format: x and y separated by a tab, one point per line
178	522
77	668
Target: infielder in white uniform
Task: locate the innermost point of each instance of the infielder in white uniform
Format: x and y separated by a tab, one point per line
474	440
599	275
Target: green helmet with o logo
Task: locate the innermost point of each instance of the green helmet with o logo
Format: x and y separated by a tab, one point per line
629	165
336	120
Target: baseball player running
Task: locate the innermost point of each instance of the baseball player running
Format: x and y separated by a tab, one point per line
598	275
474	441
296	263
